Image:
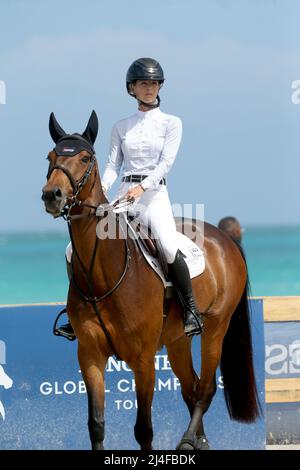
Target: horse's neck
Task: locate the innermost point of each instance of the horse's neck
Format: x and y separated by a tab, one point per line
93	194
83	230
97	262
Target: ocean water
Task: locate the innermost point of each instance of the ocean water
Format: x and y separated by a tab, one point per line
273	257
32	265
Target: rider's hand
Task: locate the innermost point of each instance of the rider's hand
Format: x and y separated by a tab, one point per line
135	192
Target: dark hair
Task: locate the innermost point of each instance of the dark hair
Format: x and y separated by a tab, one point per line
227	222
232	227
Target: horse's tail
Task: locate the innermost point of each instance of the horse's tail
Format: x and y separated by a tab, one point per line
237	364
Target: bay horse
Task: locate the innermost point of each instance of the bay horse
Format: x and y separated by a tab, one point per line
115	303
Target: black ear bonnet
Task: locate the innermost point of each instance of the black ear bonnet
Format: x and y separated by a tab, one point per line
70	145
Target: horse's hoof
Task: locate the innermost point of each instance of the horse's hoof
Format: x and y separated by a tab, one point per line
185	446
98	446
188	442
202	443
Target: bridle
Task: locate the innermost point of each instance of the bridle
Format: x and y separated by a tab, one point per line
76	186
66	214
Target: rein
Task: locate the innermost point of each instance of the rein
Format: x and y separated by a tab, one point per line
90	298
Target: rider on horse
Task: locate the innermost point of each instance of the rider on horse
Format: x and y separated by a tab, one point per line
146	145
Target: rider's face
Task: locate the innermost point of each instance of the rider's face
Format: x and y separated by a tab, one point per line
146	90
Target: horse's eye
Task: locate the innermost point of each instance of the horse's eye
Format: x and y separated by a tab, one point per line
85	159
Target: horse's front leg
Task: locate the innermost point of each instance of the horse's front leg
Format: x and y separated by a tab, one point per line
92	368
144	374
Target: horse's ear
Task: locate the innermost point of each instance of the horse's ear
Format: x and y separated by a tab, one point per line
55	130
91	130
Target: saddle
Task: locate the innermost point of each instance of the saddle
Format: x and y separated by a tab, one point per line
151	244
150	247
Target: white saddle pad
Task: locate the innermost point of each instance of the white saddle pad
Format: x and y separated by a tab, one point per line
194	257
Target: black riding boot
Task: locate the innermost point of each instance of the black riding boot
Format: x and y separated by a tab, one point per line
180	276
66	330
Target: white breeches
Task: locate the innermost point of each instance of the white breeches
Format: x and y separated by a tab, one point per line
153	208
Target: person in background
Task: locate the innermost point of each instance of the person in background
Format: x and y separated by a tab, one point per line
232	227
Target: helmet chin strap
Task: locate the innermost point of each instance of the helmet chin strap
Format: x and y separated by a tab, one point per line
150	106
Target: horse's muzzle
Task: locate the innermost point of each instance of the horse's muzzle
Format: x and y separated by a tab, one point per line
54	200
52	195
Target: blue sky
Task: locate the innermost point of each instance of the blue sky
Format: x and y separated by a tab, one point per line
229	65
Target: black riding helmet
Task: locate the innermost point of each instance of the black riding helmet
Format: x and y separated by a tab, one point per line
144	68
